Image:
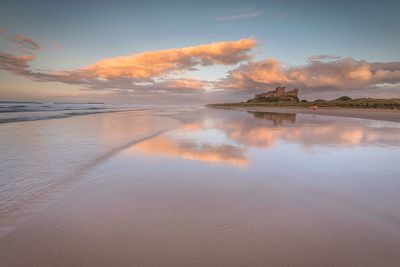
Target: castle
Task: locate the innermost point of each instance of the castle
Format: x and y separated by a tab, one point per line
279	92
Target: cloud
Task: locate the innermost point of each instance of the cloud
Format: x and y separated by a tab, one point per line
186	84
322	57
15	64
147	65
242	14
339	74
25	42
154	73
149	71
57	45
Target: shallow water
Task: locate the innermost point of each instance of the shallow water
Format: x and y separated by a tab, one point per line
39	157
229	188
31	111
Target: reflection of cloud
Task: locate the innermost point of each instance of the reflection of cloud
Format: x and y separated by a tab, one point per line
309	134
188	150
245	132
190	127
269	128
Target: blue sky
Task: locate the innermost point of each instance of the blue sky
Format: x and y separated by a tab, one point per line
74	34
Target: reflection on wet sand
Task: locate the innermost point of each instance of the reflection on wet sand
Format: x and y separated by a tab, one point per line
305	130
40	158
276	118
326	131
226	140
228	188
189	150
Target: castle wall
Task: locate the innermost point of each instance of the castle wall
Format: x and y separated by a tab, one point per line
293	92
279	92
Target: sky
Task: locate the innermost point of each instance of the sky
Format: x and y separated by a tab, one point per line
174	52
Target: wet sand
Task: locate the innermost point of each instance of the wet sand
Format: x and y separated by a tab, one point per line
204	194
41	158
372	114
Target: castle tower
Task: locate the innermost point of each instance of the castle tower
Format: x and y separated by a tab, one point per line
280	91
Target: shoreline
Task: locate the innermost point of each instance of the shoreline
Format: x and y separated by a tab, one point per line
57	116
371	114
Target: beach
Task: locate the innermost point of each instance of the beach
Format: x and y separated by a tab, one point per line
208	187
200	133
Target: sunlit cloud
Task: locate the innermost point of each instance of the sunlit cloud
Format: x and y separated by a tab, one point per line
317	74
152	70
186	84
152	64
163	72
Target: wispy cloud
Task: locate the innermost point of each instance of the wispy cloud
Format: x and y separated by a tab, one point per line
25	42
57	45
242	14
16	64
322	57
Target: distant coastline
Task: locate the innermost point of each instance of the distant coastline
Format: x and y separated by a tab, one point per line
282	98
288	102
341	102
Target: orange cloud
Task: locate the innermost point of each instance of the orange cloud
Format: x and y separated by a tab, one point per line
186	84
146	72
152	64
267	71
152	72
346	73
